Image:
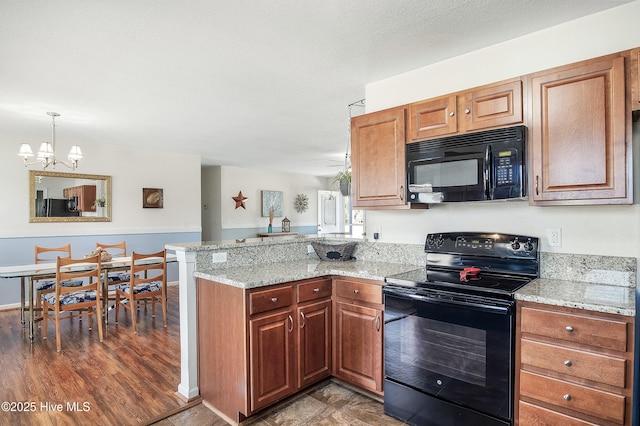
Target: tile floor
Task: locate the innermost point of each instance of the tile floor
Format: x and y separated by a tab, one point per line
329	404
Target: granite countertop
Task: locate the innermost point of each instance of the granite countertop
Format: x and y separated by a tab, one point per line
275	273
593	297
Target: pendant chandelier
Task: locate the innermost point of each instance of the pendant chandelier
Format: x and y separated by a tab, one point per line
46	153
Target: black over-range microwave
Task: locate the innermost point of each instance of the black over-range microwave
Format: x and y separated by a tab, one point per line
481	166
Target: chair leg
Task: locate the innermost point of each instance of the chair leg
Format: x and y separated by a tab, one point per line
132	306
45	315
90	314
117	306
164	310
99	317
58	345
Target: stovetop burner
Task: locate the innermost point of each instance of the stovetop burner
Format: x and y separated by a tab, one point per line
505	263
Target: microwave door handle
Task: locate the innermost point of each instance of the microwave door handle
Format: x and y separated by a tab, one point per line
487	172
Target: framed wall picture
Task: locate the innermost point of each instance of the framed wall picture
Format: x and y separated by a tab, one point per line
272	200
152	198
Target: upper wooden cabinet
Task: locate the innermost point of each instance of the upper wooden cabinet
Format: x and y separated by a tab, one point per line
86	197
578	132
494	105
377	159
635	79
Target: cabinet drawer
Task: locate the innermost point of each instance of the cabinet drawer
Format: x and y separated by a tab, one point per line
573	362
267	300
362	292
533	415
587	330
314	290
604	405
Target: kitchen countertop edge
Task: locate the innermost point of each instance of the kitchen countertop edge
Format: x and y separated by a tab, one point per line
604	298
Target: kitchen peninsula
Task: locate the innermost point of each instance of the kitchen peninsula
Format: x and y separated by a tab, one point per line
245	278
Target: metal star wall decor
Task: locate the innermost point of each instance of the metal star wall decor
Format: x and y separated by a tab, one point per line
240	200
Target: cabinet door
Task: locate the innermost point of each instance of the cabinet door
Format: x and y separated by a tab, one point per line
314	342
87	198
377	159
272	362
358	351
492	106
635	79
432	118
578	134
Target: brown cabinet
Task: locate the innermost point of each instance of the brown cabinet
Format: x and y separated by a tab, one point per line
489	106
573	367
358	350
578	132
256	347
377	159
86	196
635	79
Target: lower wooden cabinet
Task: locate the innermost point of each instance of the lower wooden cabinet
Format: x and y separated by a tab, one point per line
574	367
256	347
358	338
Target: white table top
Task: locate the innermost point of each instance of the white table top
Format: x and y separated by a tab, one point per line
43	269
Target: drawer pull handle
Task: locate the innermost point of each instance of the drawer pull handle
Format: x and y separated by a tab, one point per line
274	299
567	397
316	290
356	291
569	328
567	363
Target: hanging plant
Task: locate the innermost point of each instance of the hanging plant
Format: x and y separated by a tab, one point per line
343	179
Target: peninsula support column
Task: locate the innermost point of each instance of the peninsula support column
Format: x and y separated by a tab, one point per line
188	387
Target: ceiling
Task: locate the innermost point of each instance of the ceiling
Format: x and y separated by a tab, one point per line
247	83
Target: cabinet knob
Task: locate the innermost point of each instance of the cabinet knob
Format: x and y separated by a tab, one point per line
567	397
356	291
467	111
316	290
567	363
569	328
274	299
451	114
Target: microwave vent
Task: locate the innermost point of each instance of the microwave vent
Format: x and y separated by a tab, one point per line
487	136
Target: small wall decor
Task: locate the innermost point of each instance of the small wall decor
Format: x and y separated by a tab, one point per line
239	199
152	198
301	203
272	201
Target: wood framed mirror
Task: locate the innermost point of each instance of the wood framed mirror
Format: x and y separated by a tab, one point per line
69	197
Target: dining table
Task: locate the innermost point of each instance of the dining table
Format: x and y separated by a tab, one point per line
28	273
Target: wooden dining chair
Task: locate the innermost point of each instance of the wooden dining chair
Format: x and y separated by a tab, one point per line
116	250
47	284
83	299
147	285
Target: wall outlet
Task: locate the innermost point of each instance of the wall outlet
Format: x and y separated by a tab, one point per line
219	257
376	232
554	237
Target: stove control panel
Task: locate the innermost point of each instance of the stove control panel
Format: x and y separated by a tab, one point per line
483	244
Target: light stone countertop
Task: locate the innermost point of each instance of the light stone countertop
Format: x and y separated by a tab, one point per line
265	274
593	297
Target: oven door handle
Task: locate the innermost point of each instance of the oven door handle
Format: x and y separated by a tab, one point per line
487	172
502	307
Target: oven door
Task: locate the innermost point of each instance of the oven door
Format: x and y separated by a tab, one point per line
462	174
452	347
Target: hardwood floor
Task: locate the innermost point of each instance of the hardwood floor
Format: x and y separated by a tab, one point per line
125	380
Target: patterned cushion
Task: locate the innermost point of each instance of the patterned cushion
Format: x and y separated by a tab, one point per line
119	276
141	288
71	298
49	284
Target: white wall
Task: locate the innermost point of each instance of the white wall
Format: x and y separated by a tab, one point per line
608	230
131	170
251	182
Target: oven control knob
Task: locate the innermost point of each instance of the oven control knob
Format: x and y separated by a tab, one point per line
528	246
515	244
439	241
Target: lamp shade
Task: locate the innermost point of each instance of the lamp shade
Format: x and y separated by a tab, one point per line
45	151
25	150
75	153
